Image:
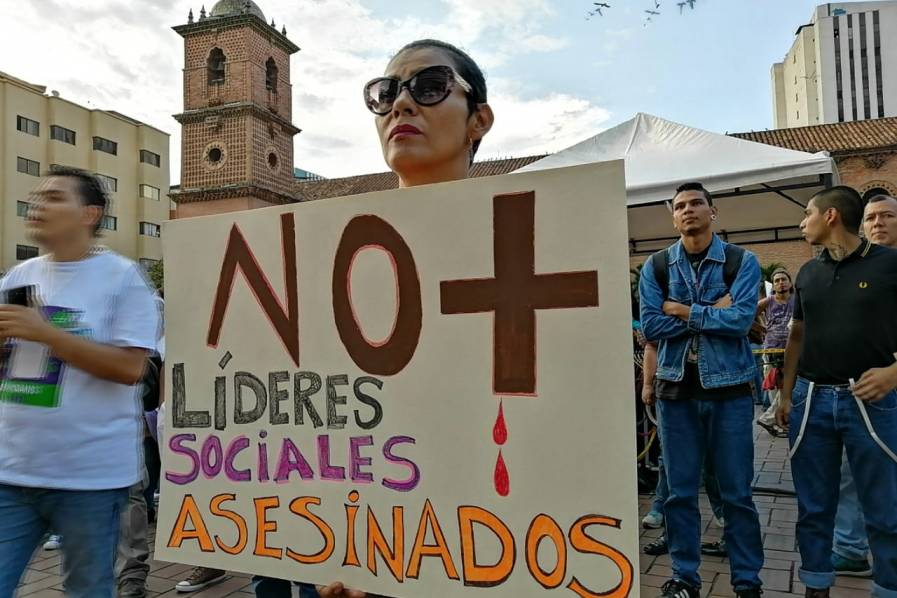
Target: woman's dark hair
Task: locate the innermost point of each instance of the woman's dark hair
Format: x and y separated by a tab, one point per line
91	190
466	67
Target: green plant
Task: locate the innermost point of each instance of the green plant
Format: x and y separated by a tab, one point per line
156	274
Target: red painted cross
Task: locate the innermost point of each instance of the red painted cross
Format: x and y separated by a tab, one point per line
516	292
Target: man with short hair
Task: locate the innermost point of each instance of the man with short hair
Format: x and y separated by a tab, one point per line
838	388
777	309
698	301
850	552
76	340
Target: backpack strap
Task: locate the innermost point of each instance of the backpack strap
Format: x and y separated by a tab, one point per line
660	265
734	257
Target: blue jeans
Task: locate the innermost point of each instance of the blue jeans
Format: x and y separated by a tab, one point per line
88	520
757	384
268	587
662	492
850	527
711	487
835	423
722	432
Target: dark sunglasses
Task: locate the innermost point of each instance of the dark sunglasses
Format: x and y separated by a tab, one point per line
427	87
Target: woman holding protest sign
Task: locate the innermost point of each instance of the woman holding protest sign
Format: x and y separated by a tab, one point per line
431	115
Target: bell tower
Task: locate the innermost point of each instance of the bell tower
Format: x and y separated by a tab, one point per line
236	127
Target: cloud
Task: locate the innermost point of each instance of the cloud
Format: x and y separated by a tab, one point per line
122	55
528	126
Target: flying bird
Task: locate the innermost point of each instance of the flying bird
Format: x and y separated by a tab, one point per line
598	8
653	13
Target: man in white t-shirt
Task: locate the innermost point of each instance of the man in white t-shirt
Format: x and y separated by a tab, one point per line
70	411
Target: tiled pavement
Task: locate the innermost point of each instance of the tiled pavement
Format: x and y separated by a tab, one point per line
777	516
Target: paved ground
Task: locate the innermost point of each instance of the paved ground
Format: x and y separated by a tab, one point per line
777	516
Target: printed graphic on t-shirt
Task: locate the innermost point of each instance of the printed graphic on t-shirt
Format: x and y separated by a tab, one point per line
33	377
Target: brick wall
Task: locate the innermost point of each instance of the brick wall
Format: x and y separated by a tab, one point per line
868	172
219	206
793	254
254	149
269	139
230	137
197	91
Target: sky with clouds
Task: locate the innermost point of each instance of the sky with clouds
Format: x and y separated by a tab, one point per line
555	77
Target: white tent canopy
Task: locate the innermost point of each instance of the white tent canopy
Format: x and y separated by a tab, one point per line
759	189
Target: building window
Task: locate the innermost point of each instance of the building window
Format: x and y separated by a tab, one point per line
104	145
26	166
838	74
110	183
878	75
109	223
853	73
149	229
271	75
25	252
215	65
26	125
62	134
148	157
149	192
864	67
22	208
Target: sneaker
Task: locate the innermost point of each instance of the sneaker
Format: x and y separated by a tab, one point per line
200	577
774	430
53	542
653	520
657	547
717	548
132	588
676	588
851	567
749	593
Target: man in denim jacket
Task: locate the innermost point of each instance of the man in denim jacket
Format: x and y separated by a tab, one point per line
704	366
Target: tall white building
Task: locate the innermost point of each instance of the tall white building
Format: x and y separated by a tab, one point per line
841	67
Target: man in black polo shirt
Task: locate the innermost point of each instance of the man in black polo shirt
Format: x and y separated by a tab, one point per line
838	391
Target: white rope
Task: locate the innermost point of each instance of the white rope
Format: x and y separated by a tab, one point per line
862	407
803	423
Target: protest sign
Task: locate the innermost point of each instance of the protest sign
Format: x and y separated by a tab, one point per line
419	392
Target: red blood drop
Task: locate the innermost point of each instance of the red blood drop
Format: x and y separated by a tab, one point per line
500	430
502	481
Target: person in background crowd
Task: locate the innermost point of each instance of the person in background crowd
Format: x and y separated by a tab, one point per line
778	309
85	316
838	389
700	321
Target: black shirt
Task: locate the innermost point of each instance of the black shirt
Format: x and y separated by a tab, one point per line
848	313
690	385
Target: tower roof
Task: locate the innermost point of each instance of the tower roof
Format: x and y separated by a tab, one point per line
227	8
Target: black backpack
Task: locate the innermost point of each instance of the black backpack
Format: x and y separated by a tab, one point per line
150	385
660	265
734	257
